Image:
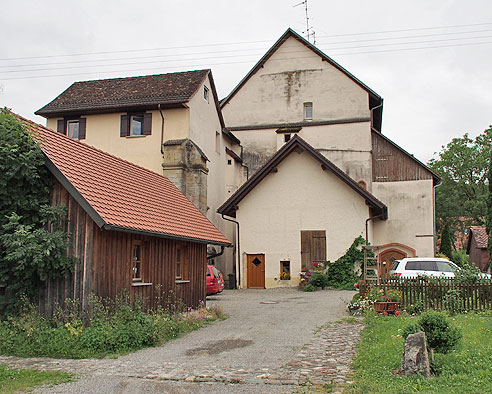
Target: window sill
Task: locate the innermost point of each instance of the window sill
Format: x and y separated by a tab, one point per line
179	281
135	136
137	284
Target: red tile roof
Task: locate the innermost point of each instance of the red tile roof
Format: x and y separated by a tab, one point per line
120	195
119	93
480	234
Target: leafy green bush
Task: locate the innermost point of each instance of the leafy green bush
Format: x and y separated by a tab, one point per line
318	279
415	309
467	274
453	301
341	274
460	258
309	288
112	328
440	335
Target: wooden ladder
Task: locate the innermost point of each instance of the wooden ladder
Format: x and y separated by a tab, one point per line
371	265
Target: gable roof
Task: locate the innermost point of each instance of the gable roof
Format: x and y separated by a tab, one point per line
230	206
119	93
291	33
119	195
480	235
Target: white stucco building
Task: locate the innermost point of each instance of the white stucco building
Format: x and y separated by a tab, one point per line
300	211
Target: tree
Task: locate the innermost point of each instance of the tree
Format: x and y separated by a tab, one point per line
463	166
489	208
446	247
33	243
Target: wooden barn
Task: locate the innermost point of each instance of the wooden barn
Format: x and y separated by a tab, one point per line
132	231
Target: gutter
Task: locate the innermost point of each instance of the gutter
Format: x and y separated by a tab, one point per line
237	270
367	225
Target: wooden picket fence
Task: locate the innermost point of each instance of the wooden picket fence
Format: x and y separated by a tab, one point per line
431	293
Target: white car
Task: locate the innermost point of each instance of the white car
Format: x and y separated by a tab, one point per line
423	266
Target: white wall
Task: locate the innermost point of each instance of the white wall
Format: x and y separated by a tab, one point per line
410	215
293	75
300	196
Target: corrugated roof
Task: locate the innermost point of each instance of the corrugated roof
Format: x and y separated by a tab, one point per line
118	93
120	195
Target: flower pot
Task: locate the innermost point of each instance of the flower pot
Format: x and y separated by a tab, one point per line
391	307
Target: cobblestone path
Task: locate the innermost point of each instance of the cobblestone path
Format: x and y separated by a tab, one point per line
324	359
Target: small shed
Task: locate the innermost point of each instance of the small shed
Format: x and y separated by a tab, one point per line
477	248
132	231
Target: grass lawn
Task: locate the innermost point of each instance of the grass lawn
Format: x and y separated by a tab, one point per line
465	370
14	380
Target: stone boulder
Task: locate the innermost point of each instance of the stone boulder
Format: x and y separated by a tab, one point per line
415	357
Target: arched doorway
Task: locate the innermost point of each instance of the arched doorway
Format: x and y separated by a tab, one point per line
387	258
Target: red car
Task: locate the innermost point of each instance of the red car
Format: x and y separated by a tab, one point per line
215	281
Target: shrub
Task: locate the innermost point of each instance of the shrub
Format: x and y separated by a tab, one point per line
453	301
112	327
318	279
440	335
460	258
341	274
309	288
468	274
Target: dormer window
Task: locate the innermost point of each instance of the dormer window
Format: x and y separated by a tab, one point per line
74	127
308	111
205	93
136	125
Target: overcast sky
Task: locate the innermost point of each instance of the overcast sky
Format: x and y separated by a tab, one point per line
430	95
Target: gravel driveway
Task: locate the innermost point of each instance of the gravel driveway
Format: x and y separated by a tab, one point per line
267	332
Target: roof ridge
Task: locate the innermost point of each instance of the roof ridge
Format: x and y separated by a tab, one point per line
141	76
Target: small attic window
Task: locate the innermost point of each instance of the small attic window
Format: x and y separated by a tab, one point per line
205	93
308	111
286	137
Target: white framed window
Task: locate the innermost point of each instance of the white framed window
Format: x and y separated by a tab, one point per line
136	124
308	111
73	127
205	93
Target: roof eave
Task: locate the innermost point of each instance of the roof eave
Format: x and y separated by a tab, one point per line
229	207
111	227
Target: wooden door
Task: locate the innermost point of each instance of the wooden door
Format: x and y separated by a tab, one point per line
313	248
256	271
389	257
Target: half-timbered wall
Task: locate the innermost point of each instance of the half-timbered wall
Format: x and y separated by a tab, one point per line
103	264
389	164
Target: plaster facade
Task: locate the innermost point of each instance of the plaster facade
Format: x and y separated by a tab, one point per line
274	213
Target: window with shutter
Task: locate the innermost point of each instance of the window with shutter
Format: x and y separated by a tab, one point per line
136	124
73	127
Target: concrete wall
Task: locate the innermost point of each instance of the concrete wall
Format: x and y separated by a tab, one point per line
273	214
410	215
292	76
348	146
103	132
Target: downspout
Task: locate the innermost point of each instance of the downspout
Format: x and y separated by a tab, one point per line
212	256
237	272
372	114
367	225
162	128
434	216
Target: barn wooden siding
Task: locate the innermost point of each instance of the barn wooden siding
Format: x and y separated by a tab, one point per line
389	164
103	265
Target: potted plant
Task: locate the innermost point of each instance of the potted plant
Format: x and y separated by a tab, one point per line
384	300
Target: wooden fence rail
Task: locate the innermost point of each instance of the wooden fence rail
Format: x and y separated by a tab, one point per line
435	293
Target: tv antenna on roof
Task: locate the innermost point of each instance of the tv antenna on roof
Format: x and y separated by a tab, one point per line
309	30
